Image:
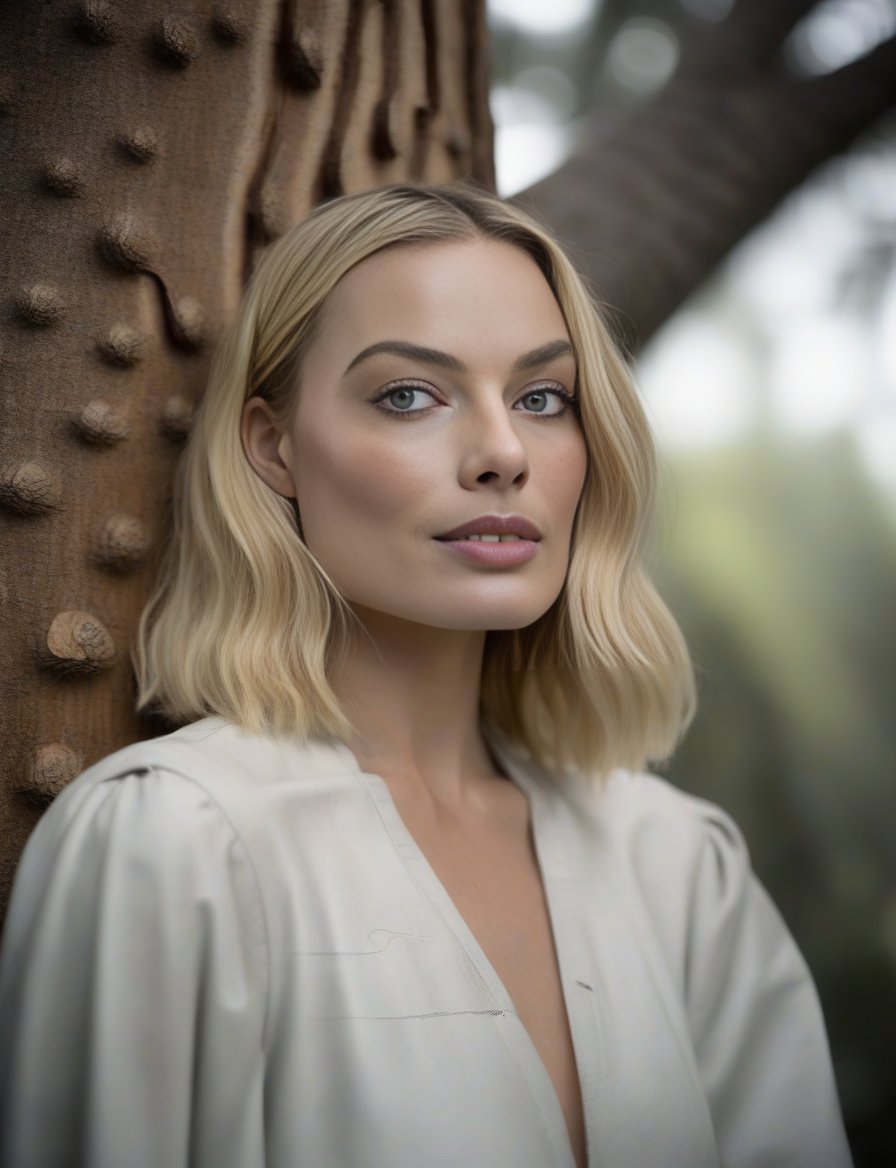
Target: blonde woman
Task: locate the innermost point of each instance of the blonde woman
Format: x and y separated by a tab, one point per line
398	894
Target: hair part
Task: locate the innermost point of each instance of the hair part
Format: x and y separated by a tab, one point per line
245	623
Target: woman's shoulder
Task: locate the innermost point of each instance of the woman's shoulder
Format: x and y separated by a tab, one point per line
688	864
208	760
656	825
626	809
216	748
210	784
138	837
679	862
663	840
671	838
657	821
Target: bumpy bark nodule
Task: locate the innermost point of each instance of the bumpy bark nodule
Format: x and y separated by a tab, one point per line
149	151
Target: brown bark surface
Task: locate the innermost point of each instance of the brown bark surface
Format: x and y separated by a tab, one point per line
149	150
655	199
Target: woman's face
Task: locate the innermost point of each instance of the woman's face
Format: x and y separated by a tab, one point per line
436	394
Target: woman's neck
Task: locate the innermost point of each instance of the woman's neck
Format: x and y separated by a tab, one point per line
412	695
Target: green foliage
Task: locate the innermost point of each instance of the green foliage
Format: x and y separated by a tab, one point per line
782	569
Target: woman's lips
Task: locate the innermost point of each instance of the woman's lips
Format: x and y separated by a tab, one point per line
504	554
499	525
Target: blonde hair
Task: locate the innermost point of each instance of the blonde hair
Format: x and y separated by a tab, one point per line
244	621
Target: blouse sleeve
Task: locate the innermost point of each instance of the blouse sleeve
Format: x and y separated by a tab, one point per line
755	1019
132	984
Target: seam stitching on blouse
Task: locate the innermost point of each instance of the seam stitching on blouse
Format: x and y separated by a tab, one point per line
410	1017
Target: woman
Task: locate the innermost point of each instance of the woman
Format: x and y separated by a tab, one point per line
393	896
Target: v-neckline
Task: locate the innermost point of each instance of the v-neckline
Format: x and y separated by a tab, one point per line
526	1052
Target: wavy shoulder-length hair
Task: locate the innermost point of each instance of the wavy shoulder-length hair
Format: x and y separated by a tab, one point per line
244	622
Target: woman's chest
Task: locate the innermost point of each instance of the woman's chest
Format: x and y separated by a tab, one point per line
413	1020
491	875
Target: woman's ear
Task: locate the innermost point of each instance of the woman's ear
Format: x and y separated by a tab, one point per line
263	440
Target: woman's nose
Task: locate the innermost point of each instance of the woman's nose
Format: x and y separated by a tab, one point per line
492	450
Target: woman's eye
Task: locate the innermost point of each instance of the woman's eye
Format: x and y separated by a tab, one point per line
547	402
405	399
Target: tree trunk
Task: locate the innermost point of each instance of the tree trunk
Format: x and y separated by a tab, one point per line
148	153
653	202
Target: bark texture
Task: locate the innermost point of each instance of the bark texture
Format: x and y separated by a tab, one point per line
655	199
149	150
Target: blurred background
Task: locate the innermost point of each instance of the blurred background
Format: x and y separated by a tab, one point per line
772	391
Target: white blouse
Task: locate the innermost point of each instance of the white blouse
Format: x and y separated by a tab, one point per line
227	951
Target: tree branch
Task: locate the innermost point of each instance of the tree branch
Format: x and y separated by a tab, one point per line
650	206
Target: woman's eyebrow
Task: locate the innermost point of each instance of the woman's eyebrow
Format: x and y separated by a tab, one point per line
544	353
406	349
539	356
